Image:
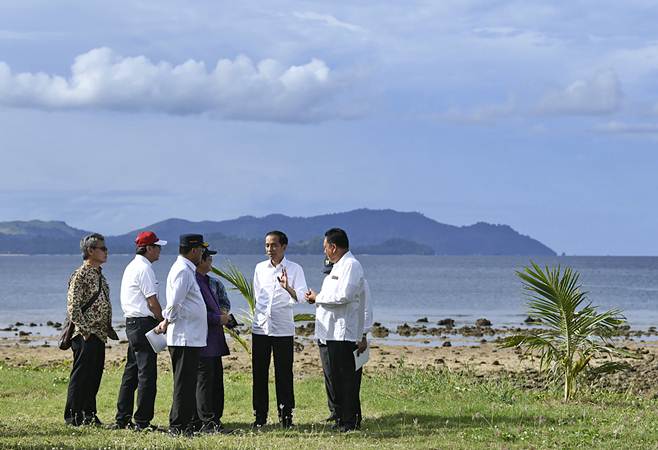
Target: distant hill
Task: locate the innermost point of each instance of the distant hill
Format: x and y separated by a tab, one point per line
37	236
370	231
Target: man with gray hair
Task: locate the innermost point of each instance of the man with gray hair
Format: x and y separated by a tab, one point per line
89	309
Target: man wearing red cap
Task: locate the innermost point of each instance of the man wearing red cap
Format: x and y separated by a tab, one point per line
139	301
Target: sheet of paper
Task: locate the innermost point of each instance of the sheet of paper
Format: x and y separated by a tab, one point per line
360	360
158	341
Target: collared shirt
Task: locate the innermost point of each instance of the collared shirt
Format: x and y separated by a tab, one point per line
216	343
83	285
273	315
340	304
185	310
138	284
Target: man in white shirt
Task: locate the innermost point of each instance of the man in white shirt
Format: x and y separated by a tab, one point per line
339	322
186	323
278	284
141	308
334	408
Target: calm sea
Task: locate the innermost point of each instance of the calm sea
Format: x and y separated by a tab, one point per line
404	288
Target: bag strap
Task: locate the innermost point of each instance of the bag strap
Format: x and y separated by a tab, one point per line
91	301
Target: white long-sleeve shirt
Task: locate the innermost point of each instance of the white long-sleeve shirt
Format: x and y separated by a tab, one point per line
340	313
185	310
273	315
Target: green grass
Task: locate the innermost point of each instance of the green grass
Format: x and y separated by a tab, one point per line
404	408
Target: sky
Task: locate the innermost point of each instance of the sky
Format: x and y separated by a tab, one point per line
541	115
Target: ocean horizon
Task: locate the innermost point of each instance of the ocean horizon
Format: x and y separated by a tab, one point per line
404	288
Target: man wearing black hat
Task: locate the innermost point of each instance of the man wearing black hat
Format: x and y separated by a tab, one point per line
142	310
187	328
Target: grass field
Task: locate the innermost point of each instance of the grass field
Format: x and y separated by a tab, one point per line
403	408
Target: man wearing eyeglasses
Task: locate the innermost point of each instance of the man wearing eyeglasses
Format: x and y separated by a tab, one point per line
142	310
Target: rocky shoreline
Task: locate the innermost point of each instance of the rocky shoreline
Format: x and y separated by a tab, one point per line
33	345
444	329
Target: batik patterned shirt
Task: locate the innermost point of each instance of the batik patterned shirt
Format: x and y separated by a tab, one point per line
83	285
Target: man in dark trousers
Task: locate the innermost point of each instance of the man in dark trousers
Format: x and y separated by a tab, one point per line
334	409
324	359
186	323
142	310
339	322
278	284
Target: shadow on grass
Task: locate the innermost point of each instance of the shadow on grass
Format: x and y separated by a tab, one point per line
388	426
396	425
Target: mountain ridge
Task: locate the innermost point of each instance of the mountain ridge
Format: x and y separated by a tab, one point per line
372	231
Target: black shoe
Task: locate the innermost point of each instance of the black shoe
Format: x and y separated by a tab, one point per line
92	421
331	418
209	428
258	424
121	426
286	422
178	432
346	428
147	428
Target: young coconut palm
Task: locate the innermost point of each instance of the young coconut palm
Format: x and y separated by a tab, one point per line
573	331
246	288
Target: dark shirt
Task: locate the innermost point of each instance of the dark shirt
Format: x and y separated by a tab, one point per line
216	342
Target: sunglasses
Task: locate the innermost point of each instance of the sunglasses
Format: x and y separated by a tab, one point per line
103	248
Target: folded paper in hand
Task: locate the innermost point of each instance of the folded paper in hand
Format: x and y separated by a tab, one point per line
360	360
158	341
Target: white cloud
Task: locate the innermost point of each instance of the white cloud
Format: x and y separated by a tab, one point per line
598	95
234	89
328	20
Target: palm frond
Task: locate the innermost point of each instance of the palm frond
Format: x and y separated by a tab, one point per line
303	317
609	367
239	282
239	339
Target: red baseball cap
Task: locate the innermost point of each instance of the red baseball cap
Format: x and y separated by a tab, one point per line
148	238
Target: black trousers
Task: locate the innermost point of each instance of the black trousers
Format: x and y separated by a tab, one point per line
262	347
185	363
86	374
140	373
329	387
346	382
210	390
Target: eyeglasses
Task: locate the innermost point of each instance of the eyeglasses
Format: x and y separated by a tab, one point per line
103	248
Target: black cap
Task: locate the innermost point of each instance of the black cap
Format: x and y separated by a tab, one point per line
192	240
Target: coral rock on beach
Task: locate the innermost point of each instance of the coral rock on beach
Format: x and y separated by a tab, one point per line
448	323
482	323
379	331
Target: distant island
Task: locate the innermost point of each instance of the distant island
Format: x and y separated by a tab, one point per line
376	232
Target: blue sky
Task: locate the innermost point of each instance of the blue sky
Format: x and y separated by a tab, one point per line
542	115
